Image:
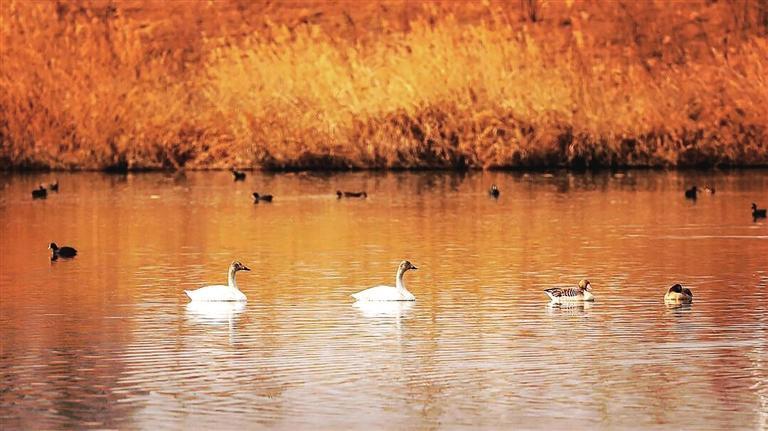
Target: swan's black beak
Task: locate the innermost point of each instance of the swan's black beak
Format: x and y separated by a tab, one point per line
245	268
413	267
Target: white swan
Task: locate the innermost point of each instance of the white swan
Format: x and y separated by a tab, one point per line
389	293
230	292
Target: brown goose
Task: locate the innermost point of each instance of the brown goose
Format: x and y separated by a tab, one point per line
581	293
678	293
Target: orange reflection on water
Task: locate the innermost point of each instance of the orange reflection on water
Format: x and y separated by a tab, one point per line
108	340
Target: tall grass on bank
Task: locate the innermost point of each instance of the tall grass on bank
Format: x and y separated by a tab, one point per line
80	91
83	90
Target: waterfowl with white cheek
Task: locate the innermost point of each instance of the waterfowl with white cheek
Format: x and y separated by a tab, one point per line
678	293
757	212
239	175
65	252
692	193
230	292
581	293
398	292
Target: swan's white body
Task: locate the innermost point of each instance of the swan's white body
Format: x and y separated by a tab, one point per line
398	292
230	292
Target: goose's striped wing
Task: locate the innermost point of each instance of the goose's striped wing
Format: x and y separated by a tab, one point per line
557	292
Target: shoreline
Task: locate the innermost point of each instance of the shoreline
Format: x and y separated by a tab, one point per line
522	170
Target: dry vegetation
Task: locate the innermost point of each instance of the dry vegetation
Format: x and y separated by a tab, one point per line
313	85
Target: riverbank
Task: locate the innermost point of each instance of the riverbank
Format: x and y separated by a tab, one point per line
574	85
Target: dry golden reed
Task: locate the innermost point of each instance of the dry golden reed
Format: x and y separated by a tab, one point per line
103	85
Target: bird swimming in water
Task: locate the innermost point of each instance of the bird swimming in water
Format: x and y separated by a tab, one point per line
239	175
65	252
494	191
581	293
54	186
691	193
39	193
398	292
230	292
257	197
757	212
678	293
340	194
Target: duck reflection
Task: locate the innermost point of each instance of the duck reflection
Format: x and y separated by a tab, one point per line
678	306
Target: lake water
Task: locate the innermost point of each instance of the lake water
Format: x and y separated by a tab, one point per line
108	340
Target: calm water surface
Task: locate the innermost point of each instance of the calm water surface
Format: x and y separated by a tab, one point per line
108	340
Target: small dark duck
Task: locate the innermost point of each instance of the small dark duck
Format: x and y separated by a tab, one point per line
340	194
40	192
678	293
257	197
757	212
239	175
494	191
691	193
54	186
65	252
709	190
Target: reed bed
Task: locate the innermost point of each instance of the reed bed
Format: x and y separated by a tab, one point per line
98	86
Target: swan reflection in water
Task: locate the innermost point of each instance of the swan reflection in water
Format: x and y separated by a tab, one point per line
384	319
396	309
214	313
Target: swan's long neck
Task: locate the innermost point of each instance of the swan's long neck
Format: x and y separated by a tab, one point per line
399	280
231	277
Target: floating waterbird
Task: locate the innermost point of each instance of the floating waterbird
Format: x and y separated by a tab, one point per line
230	292
691	193
709	189
757	212
40	192
57	252
54	186
389	293
494	191
239	175
678	293
257	197
581	293
340	194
